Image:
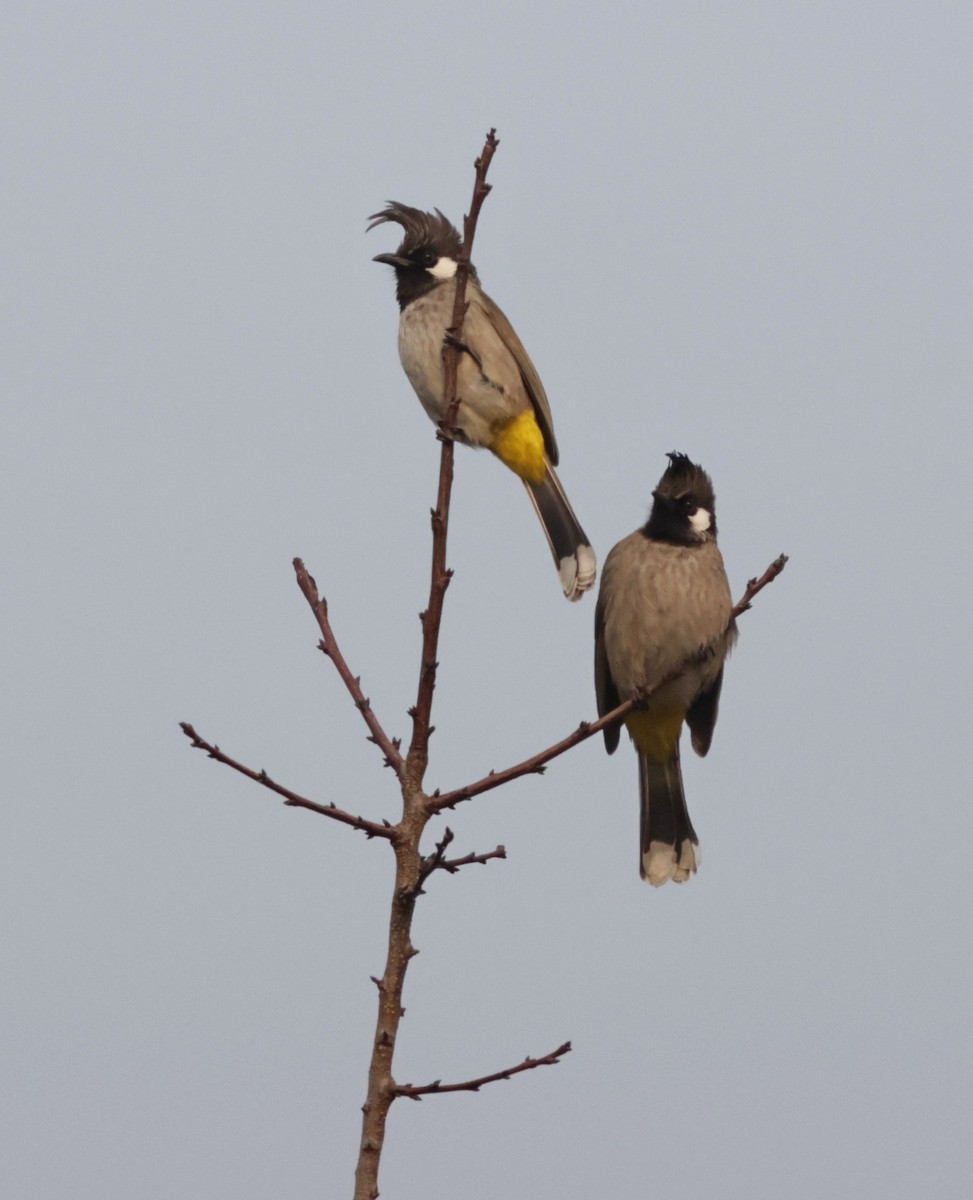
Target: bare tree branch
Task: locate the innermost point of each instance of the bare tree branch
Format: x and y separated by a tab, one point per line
431	618
329	646
437	861
415	814
437	1087
536	764
452	865
291	799
756	585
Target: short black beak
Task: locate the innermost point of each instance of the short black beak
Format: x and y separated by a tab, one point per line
393	260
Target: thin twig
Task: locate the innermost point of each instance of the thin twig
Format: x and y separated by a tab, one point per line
437	1087
418	755
432	862
329	646
756	585
437	861
452	865
291	799
453	346
536	764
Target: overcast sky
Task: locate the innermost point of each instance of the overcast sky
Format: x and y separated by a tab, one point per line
740	231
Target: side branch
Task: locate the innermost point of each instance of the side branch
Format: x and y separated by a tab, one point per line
437	861
473	1085
536	764
452	865
292	799
756	585
329	646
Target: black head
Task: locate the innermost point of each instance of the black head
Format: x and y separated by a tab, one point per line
428	253
684	505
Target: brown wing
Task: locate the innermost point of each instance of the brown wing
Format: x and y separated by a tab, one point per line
532	381
606	694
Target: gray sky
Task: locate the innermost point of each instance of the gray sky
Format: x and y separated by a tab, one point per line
741	231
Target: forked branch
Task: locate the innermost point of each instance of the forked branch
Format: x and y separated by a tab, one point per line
437	861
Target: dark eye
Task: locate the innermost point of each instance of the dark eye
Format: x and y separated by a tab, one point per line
428	258
688	505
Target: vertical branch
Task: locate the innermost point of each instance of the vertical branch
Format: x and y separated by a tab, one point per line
418	756
382	1088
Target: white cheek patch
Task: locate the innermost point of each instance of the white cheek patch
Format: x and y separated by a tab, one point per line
443	268
700	520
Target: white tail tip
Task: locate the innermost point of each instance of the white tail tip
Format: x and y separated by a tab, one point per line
578	572
660	863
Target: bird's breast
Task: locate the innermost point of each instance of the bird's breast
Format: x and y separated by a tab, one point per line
489	384
422	327
668	605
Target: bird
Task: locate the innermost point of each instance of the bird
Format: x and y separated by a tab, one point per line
664	620
502	403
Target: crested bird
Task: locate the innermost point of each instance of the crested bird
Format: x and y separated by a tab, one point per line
502	403
663	629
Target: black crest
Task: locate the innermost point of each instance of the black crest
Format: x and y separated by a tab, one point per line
684	488
420	230
683	477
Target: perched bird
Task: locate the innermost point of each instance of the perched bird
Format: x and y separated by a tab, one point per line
502	401
664	619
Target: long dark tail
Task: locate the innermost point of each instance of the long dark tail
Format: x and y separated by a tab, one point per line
668	840
573	555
